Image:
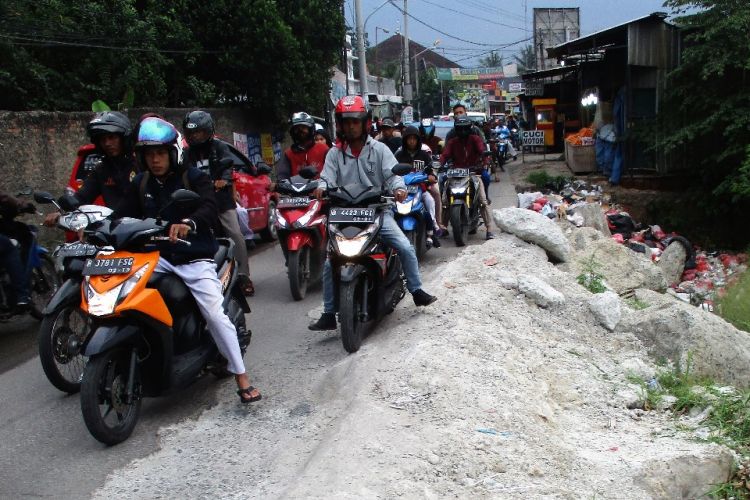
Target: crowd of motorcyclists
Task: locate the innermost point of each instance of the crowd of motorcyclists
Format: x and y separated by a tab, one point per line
142	166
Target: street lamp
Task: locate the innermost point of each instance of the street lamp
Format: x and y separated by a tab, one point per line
363	90
416	71
376	44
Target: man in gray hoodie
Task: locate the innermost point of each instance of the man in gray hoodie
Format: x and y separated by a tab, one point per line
361	160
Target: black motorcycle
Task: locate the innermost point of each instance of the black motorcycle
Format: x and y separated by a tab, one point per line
367	276
462	203
65	328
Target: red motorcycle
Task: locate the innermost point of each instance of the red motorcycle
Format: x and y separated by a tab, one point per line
301	226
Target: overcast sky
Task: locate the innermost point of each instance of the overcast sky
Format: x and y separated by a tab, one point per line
477	21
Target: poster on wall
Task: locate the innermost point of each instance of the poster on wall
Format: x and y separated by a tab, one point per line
472	99
265	148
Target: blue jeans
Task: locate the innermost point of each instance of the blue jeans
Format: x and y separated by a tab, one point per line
10	259
392	236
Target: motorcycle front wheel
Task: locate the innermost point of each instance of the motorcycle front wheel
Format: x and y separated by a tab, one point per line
351	313
299	272
61	336
108	412
459	224
44	283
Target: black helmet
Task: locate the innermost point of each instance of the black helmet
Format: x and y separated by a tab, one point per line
411	130
111	122
155	131
301	119
463	126
198	120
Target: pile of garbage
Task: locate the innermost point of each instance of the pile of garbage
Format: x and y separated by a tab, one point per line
705	275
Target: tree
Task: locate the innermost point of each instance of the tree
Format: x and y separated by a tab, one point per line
492	60
704	119
270	56
525	59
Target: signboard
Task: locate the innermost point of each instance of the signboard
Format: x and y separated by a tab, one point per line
535	88
469	74
532	137
515	87
407	115
240	142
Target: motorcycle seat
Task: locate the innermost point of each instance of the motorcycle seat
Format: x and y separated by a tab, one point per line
180	303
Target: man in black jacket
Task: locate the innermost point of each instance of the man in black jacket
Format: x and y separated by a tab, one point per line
212	156
150	192
111	133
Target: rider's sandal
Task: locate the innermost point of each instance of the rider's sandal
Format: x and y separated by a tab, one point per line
249	391
248	288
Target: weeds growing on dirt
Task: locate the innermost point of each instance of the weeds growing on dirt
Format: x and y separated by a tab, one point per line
590	277
542	180
728	416
636	303
735	305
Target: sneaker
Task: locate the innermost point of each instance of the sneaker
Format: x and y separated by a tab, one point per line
327	321
490	236
422	298
436	242
22	307
515	157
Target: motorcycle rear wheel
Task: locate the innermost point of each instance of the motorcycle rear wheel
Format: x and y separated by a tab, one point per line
459	224
298	265
350	314
61	335
108	416
44	283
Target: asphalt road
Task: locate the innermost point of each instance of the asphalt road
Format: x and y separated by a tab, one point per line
47	451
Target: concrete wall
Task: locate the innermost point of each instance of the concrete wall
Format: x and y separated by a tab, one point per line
37	148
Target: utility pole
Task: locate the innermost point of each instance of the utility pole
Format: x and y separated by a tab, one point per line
361	50
407	67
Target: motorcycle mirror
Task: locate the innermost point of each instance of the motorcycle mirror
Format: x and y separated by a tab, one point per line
308	172
264	169
67	202
43	197
402	169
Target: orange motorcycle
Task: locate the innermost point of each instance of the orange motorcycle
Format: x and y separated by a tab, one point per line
149	337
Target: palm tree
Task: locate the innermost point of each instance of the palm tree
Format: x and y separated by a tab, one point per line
525	59
493	60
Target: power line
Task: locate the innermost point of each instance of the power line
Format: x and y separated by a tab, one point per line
473	17
494	50
437	30
42	42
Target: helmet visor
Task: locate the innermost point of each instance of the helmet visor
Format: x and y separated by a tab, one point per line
155	131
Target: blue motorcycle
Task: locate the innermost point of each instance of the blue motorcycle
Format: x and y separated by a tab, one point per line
412	215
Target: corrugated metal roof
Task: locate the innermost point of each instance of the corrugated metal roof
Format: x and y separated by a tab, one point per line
655	15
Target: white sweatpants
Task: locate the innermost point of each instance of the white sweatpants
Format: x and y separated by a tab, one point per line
429	202
202	281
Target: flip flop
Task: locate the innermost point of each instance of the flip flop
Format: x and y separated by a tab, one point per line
249	391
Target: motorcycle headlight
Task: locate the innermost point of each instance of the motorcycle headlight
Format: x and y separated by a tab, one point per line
74	221
305	219
404	207
102	304
281	222
351	247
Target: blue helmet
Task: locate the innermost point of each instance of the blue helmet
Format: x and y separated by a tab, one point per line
154	131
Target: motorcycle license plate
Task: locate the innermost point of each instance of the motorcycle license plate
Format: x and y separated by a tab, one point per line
299	201
344	215
418	165
457	172
76	249
412	189
117	265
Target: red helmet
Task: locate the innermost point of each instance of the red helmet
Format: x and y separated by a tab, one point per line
353	106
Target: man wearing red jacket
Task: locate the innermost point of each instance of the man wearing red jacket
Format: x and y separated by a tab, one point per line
304	150
466	149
